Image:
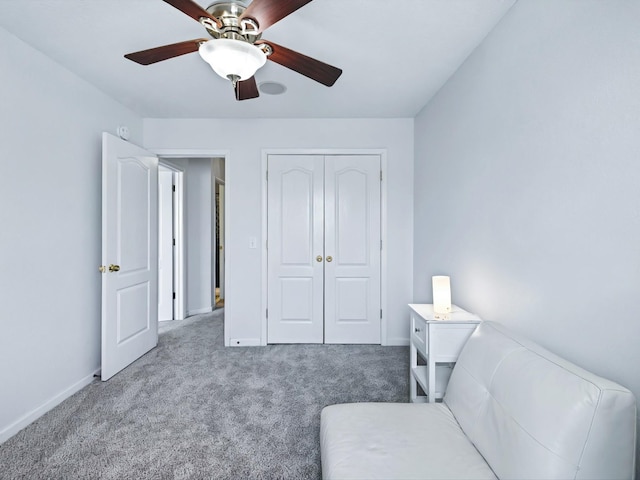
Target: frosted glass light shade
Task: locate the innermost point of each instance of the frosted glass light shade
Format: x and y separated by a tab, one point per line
230	58
441	294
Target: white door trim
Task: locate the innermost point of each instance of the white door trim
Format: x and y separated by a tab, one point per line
383	227
179	272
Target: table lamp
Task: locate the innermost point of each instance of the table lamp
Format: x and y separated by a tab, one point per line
441	294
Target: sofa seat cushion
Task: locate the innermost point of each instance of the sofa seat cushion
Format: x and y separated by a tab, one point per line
396	441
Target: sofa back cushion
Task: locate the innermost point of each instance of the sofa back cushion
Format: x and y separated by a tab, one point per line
533	415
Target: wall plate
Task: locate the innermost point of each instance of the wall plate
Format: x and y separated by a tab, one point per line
123	132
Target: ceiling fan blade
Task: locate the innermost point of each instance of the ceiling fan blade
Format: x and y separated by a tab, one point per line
268	12
247	89
192	9
307	66
153	55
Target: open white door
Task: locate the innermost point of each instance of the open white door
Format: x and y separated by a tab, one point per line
129	253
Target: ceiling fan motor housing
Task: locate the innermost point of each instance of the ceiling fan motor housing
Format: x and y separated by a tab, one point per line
229	13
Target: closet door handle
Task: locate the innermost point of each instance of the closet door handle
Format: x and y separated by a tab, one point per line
319	258
329	259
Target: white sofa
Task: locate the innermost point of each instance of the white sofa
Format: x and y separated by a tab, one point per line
512	410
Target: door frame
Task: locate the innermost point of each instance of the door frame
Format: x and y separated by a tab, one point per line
383	226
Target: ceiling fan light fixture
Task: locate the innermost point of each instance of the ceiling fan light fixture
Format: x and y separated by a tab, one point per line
232	59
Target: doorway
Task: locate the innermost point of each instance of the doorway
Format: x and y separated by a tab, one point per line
199	218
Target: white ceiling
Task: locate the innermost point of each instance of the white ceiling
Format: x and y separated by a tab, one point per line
393	61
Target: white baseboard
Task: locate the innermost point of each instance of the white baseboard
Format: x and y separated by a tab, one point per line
244	342
397	342
198	311
9	431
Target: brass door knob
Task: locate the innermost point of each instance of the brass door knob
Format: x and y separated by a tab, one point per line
114	268
319	258
102	268
329	258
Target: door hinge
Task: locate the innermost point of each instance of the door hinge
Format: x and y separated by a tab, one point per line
174	295
173	188
266	176
174	242
380	313
380	175
380	244
266	313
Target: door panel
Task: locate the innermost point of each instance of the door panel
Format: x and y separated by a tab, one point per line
294	240
348	289
130	241
351	219
297	300
352	239
133	303
133	204
296	222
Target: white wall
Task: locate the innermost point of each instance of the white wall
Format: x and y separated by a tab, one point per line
245	140
50	230
528	182
199	239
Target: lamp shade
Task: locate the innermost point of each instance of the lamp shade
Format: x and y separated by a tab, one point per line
441	294
232	58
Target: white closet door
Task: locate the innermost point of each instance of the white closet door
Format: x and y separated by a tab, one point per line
352	243
294	243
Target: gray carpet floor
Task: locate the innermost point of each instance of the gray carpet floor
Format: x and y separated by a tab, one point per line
193	409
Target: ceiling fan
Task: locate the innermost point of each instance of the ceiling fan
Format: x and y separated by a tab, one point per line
236	50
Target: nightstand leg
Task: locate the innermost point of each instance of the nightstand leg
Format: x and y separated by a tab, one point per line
432	382
413	384
431	369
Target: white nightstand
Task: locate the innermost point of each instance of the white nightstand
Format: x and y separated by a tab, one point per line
437	339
